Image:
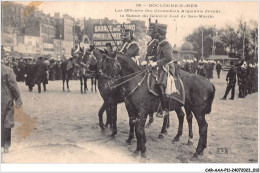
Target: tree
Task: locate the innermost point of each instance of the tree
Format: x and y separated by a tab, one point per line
209	33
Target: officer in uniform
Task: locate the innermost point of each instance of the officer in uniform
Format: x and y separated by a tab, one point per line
231	79
130	48
164	61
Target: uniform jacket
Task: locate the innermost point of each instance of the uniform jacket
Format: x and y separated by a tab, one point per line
9	93
130	49
152	50
231	76
164	56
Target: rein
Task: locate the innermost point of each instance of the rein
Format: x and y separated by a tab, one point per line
127	78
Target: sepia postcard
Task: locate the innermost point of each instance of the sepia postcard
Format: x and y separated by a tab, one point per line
147	86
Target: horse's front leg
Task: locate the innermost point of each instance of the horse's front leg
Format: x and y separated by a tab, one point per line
95	84
63	81
164	127
81	83
180	115
85	85
68	88
113	116
131	115
140	134
92	83
100	115
189	117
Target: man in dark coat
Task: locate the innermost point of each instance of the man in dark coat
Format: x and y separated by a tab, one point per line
231	80
30	75
41	74
218	68
164	61
21	68
9	94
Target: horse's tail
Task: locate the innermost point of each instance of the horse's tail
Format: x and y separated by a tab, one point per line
210	100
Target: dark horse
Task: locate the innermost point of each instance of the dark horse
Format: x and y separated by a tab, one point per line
199	95
108	69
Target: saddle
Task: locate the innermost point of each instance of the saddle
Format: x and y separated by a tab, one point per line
174	89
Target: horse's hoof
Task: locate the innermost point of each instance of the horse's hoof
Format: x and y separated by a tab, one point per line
201	153
161	136
190	141
102	127
6	150
144	156
194	157
128	142
136	153
175	140
106	126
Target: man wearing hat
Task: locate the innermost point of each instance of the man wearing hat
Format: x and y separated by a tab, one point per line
130	48
164	61
9	94
231	80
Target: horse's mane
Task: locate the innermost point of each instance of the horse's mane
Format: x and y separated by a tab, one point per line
129	64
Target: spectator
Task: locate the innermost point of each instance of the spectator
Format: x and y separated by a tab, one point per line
9	94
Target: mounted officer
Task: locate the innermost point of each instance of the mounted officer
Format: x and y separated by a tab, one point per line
164	63
130	48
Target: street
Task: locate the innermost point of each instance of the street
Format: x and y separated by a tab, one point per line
62	127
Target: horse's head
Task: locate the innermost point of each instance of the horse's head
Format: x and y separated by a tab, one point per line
126	65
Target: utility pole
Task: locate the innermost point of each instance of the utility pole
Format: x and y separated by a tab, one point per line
202	46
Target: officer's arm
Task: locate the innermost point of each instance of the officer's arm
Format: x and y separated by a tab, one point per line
167	53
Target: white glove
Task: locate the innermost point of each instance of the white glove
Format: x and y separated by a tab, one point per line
25	75
143	63
153	64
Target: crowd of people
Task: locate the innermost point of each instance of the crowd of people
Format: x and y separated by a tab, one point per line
246	76
202	67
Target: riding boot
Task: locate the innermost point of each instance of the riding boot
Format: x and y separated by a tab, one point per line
164	101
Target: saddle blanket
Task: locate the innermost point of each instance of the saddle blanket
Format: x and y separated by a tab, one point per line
174	89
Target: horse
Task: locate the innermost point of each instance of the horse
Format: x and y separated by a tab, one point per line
108	70
199	96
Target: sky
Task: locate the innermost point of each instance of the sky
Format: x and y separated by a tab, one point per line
227	13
